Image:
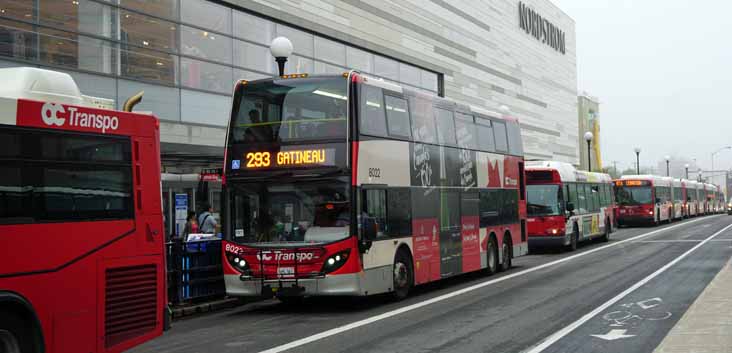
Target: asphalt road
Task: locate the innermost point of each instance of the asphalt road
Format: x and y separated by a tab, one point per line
624	295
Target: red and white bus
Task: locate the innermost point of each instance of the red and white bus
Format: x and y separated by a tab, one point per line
348	185
644	199
566	206
678	199
692	201
80	218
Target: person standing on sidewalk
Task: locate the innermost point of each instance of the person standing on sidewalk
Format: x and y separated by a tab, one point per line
206	221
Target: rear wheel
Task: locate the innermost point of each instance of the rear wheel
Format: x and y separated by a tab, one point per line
506	262
492	254
403	275
17	334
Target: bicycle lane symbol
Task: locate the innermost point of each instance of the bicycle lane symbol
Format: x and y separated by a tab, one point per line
634	314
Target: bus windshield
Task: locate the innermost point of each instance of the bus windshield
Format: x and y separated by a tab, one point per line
543	200
628	195
284	110
297	212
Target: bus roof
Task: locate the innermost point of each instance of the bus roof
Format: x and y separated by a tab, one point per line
41	98
567	172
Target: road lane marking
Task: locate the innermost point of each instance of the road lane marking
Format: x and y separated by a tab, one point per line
388	314
547	342
682	241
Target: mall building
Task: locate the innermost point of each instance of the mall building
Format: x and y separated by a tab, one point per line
186	54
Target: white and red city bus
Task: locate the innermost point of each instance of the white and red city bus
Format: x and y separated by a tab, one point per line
348	185
566	206
677	191
644	199
691	199
80	218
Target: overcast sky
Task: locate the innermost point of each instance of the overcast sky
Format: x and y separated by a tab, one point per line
662	70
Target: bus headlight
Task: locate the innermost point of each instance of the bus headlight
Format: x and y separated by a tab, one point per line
336	261
238	263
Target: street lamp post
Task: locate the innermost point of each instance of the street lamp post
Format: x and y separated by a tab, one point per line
281	48
588	138
715	152
686	168
699	175
668	158
637	160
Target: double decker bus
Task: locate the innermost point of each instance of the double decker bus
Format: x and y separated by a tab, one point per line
349	185
80	218
644	199
566	206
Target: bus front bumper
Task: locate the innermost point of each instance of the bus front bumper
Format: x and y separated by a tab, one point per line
547	241
335	285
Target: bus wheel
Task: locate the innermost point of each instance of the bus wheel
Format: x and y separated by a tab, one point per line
506	253
403	275
8	342
492	254
574	240
606	236
16	334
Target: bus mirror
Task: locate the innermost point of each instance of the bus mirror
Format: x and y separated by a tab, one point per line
570	207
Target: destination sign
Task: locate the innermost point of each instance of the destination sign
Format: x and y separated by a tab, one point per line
632	183
291	158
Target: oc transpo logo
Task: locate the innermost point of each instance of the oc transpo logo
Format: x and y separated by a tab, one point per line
55	114
49	114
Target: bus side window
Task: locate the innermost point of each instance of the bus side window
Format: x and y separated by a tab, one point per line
399	212
499	129
373	118
397	117
491	201
375	207
581	199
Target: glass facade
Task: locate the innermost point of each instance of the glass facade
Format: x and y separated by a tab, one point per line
174	48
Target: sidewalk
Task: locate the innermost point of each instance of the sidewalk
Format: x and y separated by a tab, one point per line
707	325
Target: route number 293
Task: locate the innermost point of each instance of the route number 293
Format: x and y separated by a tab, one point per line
258	159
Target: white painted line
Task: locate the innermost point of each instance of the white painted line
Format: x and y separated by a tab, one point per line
547	342
682	241
669	241
388	314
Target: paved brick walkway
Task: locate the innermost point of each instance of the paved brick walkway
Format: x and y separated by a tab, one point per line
707	326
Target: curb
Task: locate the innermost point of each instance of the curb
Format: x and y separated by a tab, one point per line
179	313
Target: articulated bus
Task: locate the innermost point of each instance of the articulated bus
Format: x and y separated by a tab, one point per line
565	206
349	185
678	199
81	225
692	206
644	199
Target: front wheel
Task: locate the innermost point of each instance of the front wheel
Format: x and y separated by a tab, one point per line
492	254
606	236
403	276
575	239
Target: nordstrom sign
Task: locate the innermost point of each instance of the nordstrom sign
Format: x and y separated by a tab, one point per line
540	28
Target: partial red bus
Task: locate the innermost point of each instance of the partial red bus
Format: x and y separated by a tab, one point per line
80	218
566	206
644	199
348	185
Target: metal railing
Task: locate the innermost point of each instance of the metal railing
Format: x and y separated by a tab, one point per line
194	271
